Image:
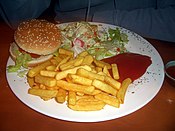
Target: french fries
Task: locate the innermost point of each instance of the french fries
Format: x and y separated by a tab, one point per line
79	79
43	93
115	72
72	98
104	87
61	96
34	71
65	52
88	74
87	105
75	87
83	82
112	82
102	64
122	91
108	99
47	81
63	74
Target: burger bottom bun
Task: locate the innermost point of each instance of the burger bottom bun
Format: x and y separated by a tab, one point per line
34	61
39	60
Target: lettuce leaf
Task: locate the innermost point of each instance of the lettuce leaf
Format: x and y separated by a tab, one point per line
21	61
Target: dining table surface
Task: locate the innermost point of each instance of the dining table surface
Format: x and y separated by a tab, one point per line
157	115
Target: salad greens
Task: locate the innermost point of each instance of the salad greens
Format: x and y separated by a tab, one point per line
100	43
21	61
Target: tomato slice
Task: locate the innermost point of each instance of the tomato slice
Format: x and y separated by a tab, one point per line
78	42
31	54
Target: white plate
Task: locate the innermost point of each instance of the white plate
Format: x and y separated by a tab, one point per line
142	91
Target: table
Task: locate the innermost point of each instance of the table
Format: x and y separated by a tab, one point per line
158	114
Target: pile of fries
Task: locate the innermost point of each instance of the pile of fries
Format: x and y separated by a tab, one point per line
84	83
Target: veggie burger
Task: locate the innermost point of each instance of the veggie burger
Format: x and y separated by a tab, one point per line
35	42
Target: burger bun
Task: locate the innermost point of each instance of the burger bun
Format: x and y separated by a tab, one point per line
34	61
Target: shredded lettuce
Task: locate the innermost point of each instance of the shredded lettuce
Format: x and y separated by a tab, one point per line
99	42
21	61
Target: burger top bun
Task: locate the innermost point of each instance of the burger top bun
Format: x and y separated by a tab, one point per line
38	37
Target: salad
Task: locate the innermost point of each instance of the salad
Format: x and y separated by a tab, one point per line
80	36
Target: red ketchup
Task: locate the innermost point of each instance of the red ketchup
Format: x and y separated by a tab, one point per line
130	65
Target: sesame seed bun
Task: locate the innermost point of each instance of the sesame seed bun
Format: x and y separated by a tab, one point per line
38	37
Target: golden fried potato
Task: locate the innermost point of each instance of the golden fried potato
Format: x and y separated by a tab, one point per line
115	72
75	87
121	93
112	82
35	70
48	73
108	99
89	74
72	98
79	79
104	87
61	96
87	105
43	93
63	74
47	81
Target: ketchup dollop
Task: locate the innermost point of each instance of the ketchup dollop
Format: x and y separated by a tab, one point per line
130	65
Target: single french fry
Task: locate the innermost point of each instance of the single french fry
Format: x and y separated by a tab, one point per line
115	72
43	93
105	70
108	99
88	74
63	74
71	63
48	73
30	81
58	58
87	105
96	91
88	59
122	91
47	81
63	61
35	70
51	68
72	98
83	54
80	93
79	79
41	86
78	61
52	88
102	73
45	98
63	56
112	82
102	64
104	87
75	87
65	52
87	97
54	61
61	96
98	69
